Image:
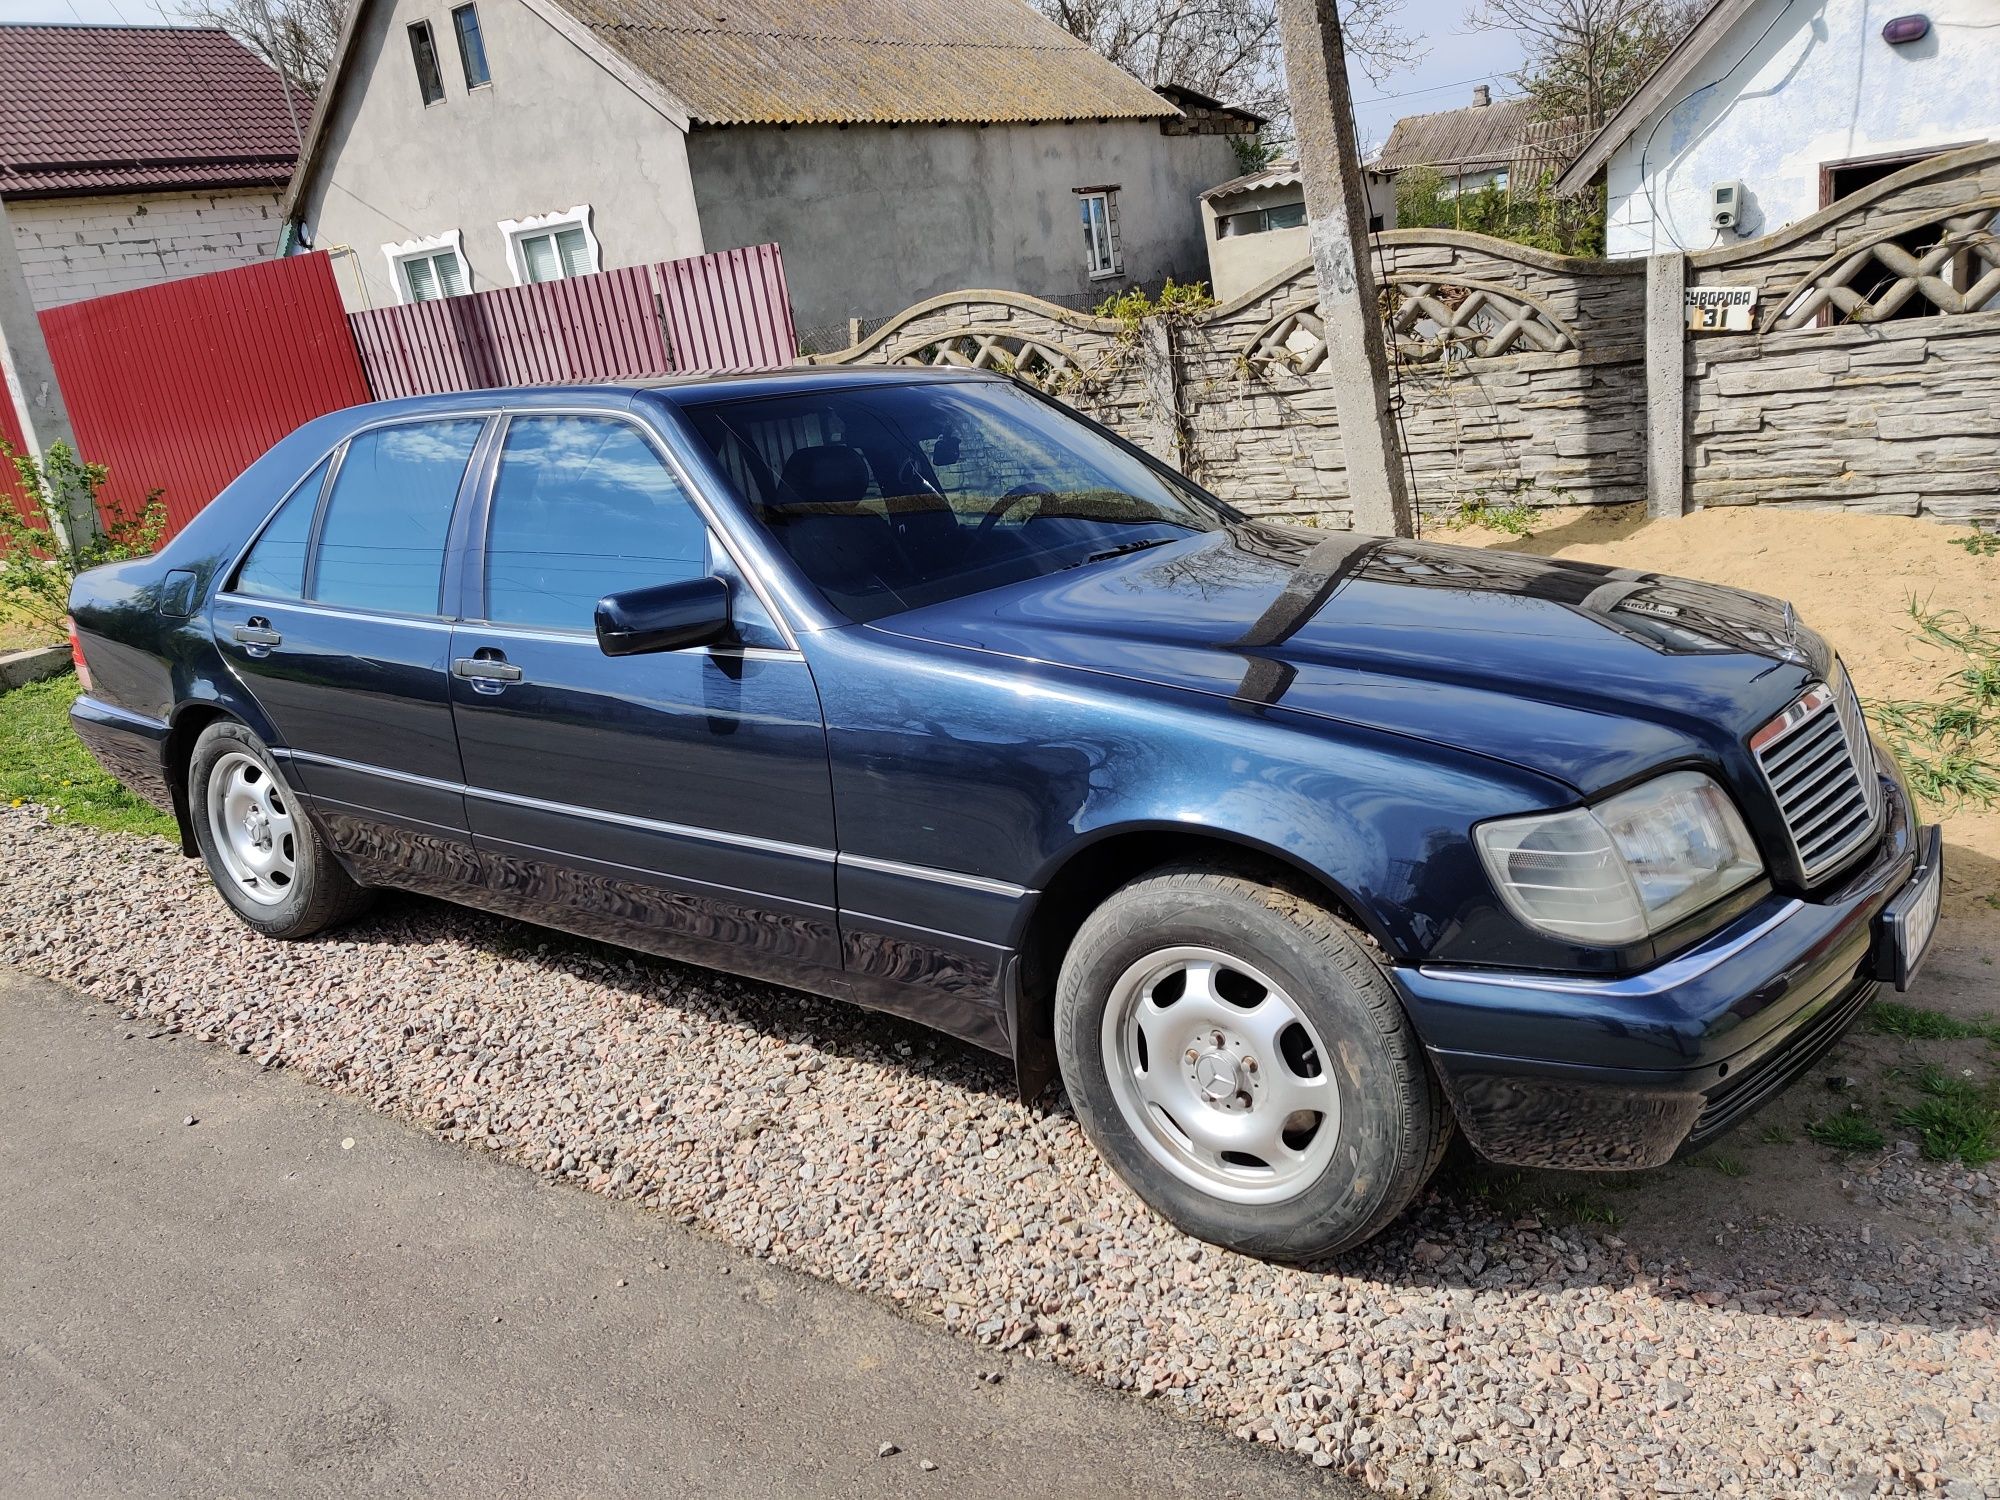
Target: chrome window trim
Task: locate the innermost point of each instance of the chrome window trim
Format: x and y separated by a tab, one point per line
683	830
703	506
340	447
487	411
1656	981
337	612
585	637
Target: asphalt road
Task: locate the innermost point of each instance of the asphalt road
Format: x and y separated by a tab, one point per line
295	1296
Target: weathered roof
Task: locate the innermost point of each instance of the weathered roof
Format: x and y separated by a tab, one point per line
1282	173
1477	138
126	109
774	62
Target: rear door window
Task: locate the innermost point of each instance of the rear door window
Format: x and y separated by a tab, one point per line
382	544
275	567
583	507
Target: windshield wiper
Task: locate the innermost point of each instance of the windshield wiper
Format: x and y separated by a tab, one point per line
1118	551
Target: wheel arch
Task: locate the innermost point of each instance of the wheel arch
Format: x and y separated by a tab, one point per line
184	726
1087	872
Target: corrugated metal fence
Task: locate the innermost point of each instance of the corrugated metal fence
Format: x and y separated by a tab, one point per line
180	386
726	311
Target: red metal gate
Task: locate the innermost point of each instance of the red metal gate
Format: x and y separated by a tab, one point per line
180	386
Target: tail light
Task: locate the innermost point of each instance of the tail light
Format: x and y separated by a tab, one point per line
76	654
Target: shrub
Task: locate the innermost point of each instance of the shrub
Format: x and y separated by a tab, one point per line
37	562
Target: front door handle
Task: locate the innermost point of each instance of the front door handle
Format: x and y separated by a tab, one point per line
488	672
257	637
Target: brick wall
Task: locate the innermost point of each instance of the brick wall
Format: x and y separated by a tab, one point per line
74	248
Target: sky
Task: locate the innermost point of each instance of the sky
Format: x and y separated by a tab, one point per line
1456	57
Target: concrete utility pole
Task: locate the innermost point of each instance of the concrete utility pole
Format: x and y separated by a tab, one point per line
31	376
1349	305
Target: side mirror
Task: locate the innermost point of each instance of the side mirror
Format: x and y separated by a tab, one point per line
664	617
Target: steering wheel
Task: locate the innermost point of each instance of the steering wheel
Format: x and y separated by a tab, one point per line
1000	507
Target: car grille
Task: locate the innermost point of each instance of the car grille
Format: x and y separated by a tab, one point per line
1821	768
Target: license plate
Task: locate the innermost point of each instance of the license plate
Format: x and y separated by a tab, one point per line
1910	921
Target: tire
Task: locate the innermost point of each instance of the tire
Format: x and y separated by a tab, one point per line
262	851
1308	1126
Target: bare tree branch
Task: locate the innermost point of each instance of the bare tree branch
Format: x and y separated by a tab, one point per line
296	37
1586	57
1227	49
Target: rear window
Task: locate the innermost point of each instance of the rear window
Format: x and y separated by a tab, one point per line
892	497
381	546
275	567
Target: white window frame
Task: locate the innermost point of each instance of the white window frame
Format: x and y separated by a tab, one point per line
513	231
1115	260
426	245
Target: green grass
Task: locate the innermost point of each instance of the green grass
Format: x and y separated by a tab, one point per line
1583	1208
1949	744
1980	543
1776	1135
18	632
1515	520
1954	1120
42	761
1728	1166
1915	1023
1846	1133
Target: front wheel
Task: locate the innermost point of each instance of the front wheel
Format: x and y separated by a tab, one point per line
262	852
1244	1065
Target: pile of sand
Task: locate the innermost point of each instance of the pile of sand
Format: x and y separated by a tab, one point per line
1851	577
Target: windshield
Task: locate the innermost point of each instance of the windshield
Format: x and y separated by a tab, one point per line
890	497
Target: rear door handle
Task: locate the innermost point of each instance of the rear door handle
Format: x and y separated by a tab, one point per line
487	674
257	637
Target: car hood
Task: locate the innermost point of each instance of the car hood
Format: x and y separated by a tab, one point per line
1584	673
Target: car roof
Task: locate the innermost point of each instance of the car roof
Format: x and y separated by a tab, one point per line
681	389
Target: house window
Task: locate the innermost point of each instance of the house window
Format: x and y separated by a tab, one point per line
427	269
423	49
551	247
1099	210
1261	220
471	47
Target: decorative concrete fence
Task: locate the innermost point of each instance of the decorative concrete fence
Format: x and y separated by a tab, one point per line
1870	376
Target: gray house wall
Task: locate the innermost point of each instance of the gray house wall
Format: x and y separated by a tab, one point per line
552	130
872	218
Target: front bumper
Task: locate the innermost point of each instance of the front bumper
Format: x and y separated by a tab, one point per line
1547	1070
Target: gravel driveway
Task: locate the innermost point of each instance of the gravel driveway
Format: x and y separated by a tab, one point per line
1479	1348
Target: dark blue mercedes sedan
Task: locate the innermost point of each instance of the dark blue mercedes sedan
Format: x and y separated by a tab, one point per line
1288	850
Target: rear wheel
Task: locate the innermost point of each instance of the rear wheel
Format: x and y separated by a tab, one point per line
1244	1065
262	852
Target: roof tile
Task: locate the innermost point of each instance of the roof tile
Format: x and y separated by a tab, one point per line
120	109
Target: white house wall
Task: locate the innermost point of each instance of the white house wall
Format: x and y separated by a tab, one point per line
1797	84
73	248
553	130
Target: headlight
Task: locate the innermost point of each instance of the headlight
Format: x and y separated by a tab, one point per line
1633	864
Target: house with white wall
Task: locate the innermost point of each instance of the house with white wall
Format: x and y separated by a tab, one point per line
893	149
1769	110
132	155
